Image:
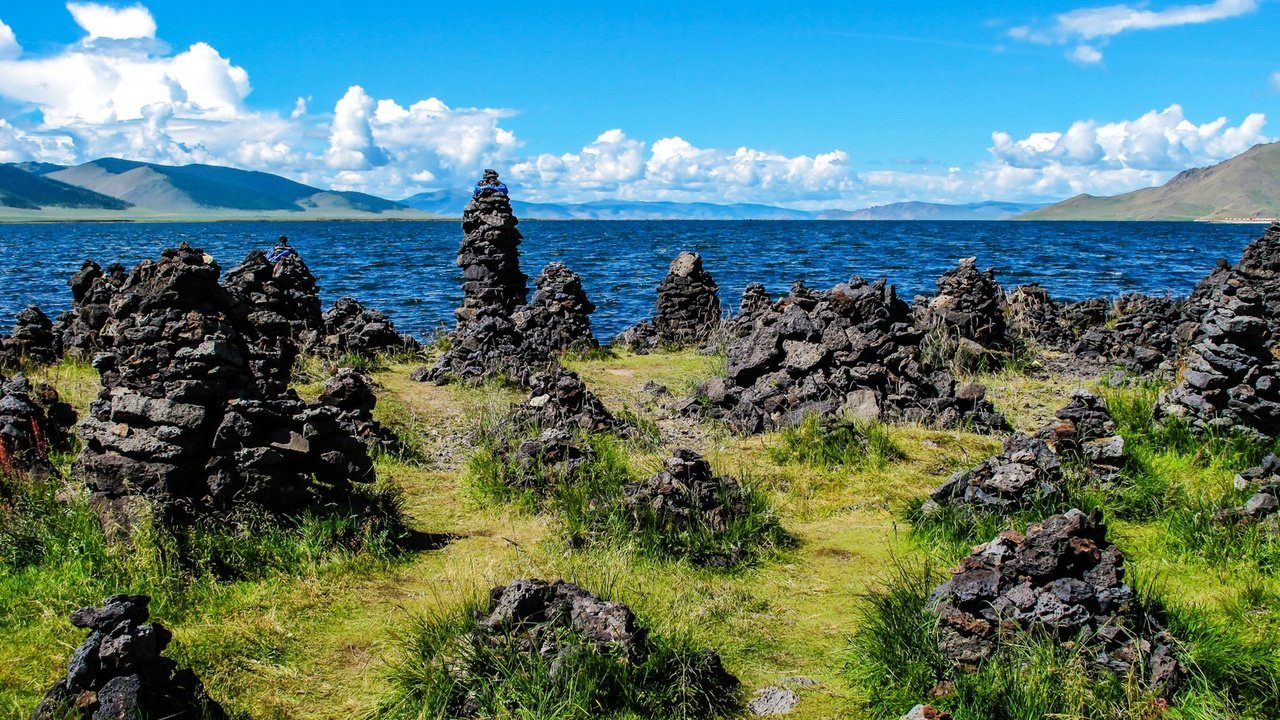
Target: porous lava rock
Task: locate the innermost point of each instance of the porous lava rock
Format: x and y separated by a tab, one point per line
80	329
688	495
558	317
33	421
854	350
552	458
1063	580
119	672
351	328
183	421
1085	432
282	300
1143	339
490	258
688	302
488	347
560	399
1025	471
355	395
32	340
1259	267
1232	380
1033	315
755	300
969	308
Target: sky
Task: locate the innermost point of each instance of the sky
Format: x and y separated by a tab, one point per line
806	105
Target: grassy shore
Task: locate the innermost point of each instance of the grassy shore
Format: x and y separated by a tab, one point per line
293	625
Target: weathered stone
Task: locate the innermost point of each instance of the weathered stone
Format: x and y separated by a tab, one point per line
1025	471
688	309
33	340
773	701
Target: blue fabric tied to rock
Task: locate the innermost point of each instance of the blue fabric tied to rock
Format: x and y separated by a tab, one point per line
499	189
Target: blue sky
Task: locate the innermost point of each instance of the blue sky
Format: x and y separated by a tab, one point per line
839	105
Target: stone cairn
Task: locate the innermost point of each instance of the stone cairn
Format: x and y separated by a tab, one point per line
1085	432
33	421
1143	339
1064	580
1025	471
1232	378
33	340
80	329
1033	315
853	350
558	318
182	420
688	310
755	301
687	495
967	315
559	399
555	457
351	328
283	302
119	671
498	335
1264	481
354	394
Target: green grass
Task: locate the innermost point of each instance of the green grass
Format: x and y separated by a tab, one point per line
444	667
835	444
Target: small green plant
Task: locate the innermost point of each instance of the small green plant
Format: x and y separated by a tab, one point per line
447	670
835	444
36	525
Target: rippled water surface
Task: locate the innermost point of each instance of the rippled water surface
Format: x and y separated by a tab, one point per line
407	269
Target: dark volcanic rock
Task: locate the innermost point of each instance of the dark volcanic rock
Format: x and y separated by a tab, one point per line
558	318
688	303
283	305
1143	339
354	394
119	672
1232	379
552	458
1264	481
560	399
33	421
490	258
969	306
1033	315
80	329
854	349
1064	580
351	328
1026	470
1085	432
182	419
33	340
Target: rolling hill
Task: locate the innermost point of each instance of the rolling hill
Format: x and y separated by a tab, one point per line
24	190
936	211
1245	186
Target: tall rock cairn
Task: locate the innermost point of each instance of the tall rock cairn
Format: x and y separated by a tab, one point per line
490	254
688	304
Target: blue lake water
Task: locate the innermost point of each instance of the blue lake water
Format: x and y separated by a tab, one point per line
407	269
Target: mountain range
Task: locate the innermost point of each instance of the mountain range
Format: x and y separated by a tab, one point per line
1244	187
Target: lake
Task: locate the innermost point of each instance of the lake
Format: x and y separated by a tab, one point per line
407	268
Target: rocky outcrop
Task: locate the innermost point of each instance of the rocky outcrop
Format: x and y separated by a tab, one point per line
687	496
119	671
183	421
559	399
1085	432
352	329
1062	579
1232	378
32	340
558	317
968	309
1025	471
854	349
80	329
283	305
688	302
33	422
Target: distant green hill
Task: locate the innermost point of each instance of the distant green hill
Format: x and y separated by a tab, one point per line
1245	186
24	190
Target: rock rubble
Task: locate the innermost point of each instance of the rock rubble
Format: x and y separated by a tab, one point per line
1025	471
559	399
119	671
1085	432
352	329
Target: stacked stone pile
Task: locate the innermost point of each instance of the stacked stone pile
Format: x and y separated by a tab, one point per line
1064	580
755	301
490	256
969	308
283	305
1259	267
354	393
488	347
33	421
1025	471
33	340
554	457
558	317
687	495
119	672
1085	431
80	329
1143	339
560	399
1033	315
1232	378
854	349
182	419
351	328
688	302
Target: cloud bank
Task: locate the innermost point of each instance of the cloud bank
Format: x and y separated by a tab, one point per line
121	92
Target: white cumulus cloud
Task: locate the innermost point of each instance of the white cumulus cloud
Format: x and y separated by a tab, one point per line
104	21
1275	81
1086	27
9	47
